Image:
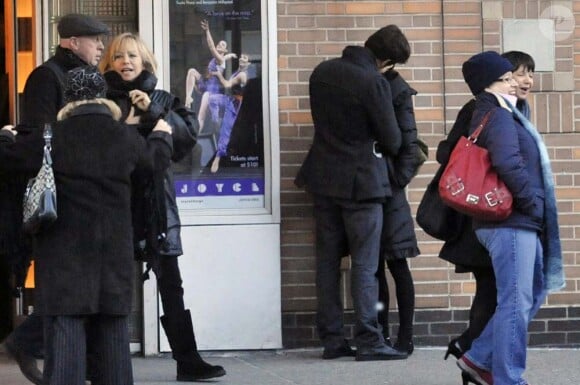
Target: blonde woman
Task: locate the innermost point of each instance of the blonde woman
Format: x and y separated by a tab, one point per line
129	68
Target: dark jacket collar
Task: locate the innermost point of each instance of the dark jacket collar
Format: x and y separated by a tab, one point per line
146	82
359	55
67	59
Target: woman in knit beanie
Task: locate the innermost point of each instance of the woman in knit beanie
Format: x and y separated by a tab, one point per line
84	260
516	245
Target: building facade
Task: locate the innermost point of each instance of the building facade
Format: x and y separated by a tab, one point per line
443	34
295	37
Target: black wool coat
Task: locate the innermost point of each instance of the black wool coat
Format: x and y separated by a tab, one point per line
84	260
41	100
353	116
464	250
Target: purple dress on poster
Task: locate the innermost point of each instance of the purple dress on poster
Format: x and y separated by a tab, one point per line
231	105
211	83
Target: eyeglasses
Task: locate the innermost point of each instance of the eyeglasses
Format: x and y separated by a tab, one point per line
507	79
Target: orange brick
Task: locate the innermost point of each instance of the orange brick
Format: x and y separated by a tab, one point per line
428	114
287	103
300	117
463	20
393	7
462	34
462	7
422	7
306	8
416	34
365	8
335	9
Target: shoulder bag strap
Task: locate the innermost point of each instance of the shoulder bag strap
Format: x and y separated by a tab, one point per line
473	137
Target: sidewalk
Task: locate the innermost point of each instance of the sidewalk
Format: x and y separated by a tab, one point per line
305	367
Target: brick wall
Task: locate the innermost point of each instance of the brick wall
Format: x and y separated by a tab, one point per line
443	34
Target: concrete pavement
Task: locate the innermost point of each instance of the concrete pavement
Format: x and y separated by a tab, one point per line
305	367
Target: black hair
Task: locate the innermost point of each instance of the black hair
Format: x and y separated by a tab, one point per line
520	59
389	43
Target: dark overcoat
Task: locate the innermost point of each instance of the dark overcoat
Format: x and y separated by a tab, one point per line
464	250
84	260
41	100
398	239
354	123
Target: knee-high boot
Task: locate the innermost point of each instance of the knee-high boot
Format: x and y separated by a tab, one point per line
190	366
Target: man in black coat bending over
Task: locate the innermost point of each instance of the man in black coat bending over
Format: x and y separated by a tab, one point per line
354	128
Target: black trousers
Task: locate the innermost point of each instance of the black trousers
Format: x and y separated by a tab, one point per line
405	293
170	287
66	350
482	307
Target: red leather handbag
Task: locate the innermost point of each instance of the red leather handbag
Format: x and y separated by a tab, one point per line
470	184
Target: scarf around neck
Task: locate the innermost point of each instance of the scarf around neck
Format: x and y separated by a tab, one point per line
553	267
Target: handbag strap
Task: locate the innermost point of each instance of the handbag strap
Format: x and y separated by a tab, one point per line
47	135
473	137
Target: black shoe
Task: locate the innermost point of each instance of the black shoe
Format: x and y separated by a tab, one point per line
342	351
379	354
454	349
201	370
26	363
405	347
388	341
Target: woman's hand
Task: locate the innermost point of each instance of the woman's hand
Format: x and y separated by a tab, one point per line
205	25
162	126
140	99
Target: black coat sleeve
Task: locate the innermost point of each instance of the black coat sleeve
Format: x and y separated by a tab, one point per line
407	162
42	97
382	117
182	120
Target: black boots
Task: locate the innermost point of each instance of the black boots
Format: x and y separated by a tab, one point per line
190	365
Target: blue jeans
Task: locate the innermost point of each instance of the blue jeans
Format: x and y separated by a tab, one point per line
517	260
343	227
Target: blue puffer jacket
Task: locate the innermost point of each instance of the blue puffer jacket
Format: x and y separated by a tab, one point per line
516	158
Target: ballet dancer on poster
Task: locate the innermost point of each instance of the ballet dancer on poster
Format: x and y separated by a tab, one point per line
231	103
209	84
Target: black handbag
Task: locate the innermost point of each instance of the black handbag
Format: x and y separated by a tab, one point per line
39	204
434	216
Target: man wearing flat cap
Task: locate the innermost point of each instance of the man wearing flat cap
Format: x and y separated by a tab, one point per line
80	44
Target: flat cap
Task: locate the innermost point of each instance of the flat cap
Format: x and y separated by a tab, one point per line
75	24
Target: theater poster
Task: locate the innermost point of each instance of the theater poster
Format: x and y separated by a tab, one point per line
216	59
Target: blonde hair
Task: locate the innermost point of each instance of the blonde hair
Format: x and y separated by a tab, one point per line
121	41
66	111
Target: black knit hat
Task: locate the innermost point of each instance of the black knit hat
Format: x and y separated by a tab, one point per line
84	83
481	70
75	24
